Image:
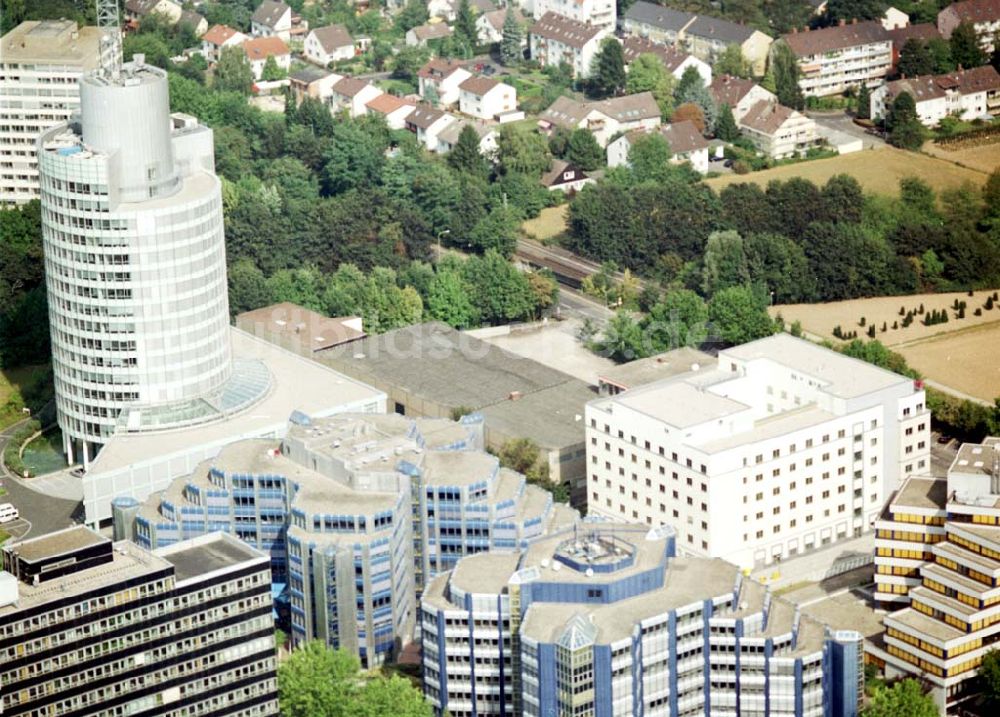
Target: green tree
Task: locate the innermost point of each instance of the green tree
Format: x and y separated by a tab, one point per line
607	76
732	62
154	47
690	80
465	155
354	158
394	696
915	59
497	289
965	49
271	71
465	22
739	314
905	128
497	230
864	102
521	150
785	68
678	319
584	151
905	698
302	286
940	52
649	157
646	73
622	339
513	35
408	62
779	265
724	262
725	125
247	287
692	90
989	676
448	300
413	14
232	71
849	10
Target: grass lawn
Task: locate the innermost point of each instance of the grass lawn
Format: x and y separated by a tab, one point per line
877	171
3	536
550	223
11	401
984	158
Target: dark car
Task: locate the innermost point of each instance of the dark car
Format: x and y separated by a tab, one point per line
489	70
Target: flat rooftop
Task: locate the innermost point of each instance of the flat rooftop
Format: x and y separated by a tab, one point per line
976	458
841	375
920	625
435	362
679	404
57	543
925	493
207	554
666	365
52	41
310	329
846	611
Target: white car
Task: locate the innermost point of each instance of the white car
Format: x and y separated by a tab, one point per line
8	513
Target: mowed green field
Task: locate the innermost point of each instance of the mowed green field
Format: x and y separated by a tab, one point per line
877	170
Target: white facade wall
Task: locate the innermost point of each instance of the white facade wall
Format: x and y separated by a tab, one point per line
795	136
211	51
551	53
932	111
282	28
501	98
313	50
831	73
600	13
283	61
447	89
752	502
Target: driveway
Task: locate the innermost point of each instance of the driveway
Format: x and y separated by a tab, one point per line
842	122
40	512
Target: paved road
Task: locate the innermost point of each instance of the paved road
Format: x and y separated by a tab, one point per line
844	123
40	513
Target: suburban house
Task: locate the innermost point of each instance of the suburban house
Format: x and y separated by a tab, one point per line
197	23
565	177
555	39
489	25
485	98
313	82
394	109
923	31
778	131
739	94
448	137
686	145
599	13
136	10
604	118
448	9
328	44
427	122
893	19
272	18
966	94
420	36
258	49
676	61
218	37
983	14
834	59
352	94
704	37
438	81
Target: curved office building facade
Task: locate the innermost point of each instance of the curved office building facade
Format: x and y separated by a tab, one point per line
135	266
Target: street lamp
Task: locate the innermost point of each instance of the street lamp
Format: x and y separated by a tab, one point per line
441	234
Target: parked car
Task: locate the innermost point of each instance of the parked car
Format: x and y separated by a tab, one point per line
8	513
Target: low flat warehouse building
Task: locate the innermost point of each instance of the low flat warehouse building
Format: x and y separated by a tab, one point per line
91	628
432	370
781	448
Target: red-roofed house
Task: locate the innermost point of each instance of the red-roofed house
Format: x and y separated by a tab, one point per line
834	59
485	98
439	79
556	39
674	60
258	49
739	94
686	144
328	44
967	94
352	94
218	37
394	109
778	131
983	14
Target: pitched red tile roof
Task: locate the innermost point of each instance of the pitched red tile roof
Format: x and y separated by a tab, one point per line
439	69
975	10
478	85
922	31
260	48
729	90
387	104
828	39
569	32
219	34
633	46
350	86
332	37
767	117
928	87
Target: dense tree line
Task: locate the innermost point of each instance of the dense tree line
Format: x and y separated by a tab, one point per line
797	241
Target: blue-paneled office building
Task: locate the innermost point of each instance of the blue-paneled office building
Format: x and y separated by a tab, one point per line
606	620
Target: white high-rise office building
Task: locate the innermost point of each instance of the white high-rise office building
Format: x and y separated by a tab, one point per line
135	266
40	68
780	448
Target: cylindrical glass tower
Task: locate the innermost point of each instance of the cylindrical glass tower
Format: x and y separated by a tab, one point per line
134	259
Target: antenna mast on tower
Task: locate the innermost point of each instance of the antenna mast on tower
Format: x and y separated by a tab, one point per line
111	39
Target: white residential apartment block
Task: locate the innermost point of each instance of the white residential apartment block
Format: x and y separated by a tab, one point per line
778	131
834	59
966	94
40	68
782	447
555	39
983	14
599	13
